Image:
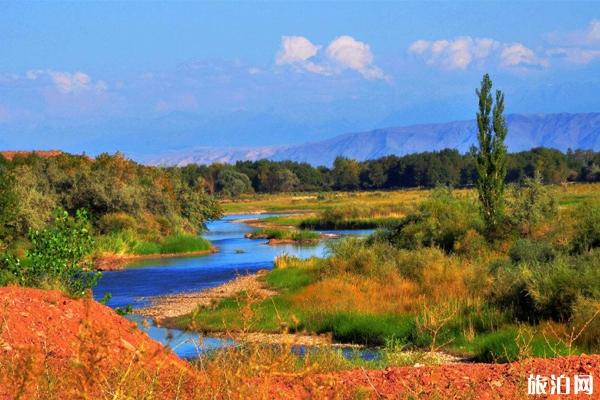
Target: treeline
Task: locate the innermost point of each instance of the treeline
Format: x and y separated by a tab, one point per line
117	195
429	169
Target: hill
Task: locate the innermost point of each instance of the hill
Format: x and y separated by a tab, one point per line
561	131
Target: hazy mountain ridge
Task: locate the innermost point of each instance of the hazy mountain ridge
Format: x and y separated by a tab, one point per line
560	131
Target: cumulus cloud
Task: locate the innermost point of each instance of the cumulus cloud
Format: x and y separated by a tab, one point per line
458	53
350	53
518	55
295	49
343	53
67	82
462	52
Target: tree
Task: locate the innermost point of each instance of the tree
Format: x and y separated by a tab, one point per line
346	174
232	183
491	156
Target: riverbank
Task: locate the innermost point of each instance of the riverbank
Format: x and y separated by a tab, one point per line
163	308
114	262
168	310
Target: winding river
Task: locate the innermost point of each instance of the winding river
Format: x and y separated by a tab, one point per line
136	284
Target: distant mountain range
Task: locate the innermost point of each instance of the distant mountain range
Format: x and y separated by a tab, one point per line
559	131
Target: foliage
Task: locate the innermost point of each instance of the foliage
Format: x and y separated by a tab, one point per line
587	229
491	156
441	220
427	169
540	286
531	252
58	254
117	193
531	204
345	174
232	183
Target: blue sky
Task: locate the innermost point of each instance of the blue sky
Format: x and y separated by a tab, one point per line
103	76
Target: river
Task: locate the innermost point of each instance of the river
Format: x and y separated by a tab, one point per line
139	281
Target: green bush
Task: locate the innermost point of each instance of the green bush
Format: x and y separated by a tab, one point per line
539	291
531	204
115	222
529	251
441	220
57	255
379	258
587	228
586	324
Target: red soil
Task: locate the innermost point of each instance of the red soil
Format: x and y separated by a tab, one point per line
452	381
45	334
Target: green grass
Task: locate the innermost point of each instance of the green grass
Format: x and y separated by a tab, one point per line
365	329
506	345
321	223
289	279
184	244
287	234
128	243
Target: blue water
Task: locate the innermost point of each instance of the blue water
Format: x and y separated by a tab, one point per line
237	255
139	281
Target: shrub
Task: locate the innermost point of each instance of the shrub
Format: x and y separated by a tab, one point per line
58	253
441	220
537	291
529	251
585	324
116	222
587	229
531	204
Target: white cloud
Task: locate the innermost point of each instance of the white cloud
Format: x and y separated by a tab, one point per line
518	55
341	54
463	52
458	53
295	49
350	53
67	82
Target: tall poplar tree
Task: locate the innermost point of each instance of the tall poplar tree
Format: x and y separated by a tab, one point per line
491	156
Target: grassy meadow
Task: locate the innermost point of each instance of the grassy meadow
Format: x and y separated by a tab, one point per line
429	280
